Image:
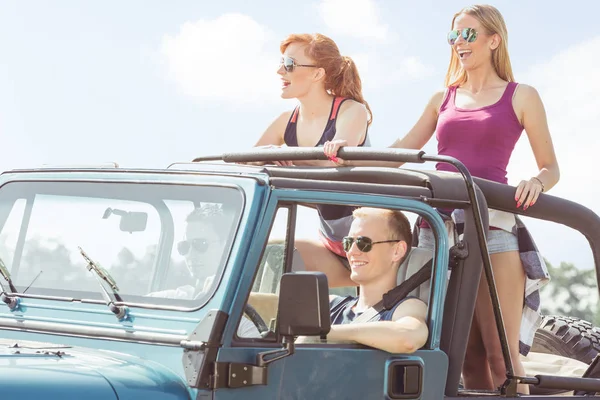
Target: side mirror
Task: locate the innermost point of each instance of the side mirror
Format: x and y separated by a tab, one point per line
303	305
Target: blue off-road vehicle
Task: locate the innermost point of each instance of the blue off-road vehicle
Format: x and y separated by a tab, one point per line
102	298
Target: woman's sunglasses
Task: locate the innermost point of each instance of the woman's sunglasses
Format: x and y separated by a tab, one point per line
289	64
200	245
363	243
468	34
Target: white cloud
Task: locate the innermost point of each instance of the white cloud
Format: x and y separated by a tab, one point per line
231	58
377	70
354	18
569	85
411	68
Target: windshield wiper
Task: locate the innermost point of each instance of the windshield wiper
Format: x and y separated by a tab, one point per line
11	301
102	275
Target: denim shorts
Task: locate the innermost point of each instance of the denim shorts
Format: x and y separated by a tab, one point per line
498	241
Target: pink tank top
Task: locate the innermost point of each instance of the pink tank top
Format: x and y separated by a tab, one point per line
481	138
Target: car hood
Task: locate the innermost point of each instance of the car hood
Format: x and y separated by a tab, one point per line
35	370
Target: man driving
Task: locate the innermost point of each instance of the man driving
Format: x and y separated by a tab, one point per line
206	232
376	246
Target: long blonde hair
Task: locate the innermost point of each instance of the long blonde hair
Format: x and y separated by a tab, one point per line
492	21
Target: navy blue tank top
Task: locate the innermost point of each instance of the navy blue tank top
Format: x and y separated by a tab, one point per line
342	312
335	221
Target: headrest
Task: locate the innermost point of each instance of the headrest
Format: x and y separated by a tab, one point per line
415	260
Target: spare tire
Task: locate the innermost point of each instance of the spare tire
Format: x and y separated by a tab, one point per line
568	337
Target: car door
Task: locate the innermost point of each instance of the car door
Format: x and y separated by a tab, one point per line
321	370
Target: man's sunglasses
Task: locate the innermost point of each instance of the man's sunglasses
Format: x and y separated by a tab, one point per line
200	245
289	64
468	34
363	243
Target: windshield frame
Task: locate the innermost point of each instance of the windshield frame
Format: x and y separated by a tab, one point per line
35	187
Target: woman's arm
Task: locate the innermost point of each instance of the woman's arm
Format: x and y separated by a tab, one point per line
351	127
531	112
273	135
415	139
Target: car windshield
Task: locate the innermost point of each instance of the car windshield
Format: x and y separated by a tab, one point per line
162	244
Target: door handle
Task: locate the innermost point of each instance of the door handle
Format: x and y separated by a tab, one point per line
405	379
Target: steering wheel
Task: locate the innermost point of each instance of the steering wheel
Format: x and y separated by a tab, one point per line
256	319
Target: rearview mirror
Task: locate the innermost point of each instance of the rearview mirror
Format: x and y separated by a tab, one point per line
131	221
303	305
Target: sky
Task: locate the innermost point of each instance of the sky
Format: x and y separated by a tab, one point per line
148	83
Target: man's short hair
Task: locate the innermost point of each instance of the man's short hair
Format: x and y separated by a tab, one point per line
212	213
398	225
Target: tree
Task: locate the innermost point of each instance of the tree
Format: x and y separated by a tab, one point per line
571	292
49	264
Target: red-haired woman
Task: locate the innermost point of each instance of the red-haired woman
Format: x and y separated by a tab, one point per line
331	106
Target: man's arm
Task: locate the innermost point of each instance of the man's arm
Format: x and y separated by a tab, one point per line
183	292
406	333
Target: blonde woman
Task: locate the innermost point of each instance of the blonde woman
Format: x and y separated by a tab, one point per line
478	119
